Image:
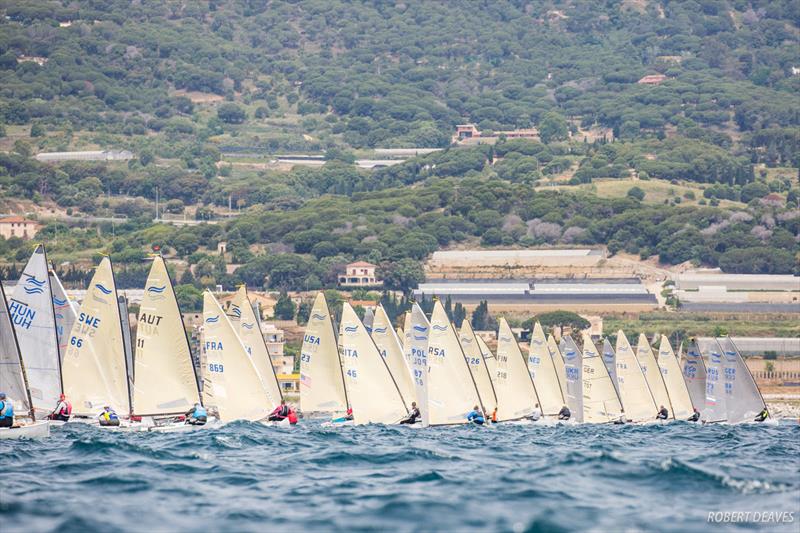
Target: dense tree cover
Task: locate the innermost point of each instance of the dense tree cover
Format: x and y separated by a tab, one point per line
557	319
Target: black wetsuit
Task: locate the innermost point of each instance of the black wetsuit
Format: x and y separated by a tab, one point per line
564	414
663	414
763	415
695	417
412	417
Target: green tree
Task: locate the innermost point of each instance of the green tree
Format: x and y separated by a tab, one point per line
636	193
561	319
404	275
284	308
231	113
189	297
553	127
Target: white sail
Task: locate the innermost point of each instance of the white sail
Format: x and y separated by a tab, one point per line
321	380
600	401
164	375
248	327
743	399
694	374
543	372
714	409
12	373
637	399
231	382
31	309
371	389
477	365
516	394
653	375
573	370
65	314
488	356
609	358
673	379
416	352
558	364
94	367
451	390
388	344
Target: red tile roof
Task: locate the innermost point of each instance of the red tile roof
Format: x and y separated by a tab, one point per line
362	264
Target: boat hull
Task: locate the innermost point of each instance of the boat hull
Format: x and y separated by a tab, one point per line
36	430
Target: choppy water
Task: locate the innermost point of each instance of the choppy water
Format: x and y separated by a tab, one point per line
247	477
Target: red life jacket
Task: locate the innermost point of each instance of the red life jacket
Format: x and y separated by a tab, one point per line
68	409
292	417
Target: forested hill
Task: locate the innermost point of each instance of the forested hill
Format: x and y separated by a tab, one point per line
700	164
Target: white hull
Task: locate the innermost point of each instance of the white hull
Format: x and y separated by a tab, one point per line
283	423
35	430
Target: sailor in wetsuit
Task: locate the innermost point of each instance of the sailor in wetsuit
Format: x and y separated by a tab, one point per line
197	415
695	416
280	412
476	416
413	415
6	411
536	414
108	417
564	413
62	411
763	415
663	414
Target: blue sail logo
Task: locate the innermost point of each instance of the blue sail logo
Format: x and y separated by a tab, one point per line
439	328
157	290
245	325
236	311
421	329
351	329
59	302
379	330
103	289
37	287
212	319
317	316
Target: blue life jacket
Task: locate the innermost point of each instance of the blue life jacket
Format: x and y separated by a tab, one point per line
200	411
477	416
6	410
109	415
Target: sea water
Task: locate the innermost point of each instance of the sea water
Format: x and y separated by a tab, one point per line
248	477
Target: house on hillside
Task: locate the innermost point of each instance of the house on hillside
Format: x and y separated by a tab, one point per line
652	79
17	226
359	274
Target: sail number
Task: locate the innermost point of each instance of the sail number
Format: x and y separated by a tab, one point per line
215	367
75	341
352	373
305	358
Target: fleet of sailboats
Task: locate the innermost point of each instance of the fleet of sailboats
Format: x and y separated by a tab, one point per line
370	372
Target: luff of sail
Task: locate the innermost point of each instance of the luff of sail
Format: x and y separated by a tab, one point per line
543	373
516	394
558	364
94	367
65	314
450	388
573	370
694	374
653	374
600	401
248	327
31	310
416	352
231	382
673	379
321	381
714	409
12	373
610	360
165	380
743	399
389	346
489	357
477	365
371	389
634	392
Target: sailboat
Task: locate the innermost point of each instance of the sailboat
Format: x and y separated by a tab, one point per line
65	314
248	328
14	382
673	379
416	352
694	374
477	364
652	374
715	408
389	346
634	392
94	367
450	388
231	383
516	393
371	389
744	400
600	400
31	309
543	372
573	369
321	378
165	380
558	364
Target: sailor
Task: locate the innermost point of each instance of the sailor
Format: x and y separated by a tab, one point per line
663	414
197	415
62	411
108	417
763	415
536	414
695	416
292	416
6	411
564	413
347	417
280	412
476	416
413	415
494	415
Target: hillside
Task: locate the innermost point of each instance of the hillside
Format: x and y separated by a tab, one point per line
666	129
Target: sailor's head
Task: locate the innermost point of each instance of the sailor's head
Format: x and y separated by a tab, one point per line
413	404
349	410
197	405
106	408
2	395
661	407
537	405
475	408
62	397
